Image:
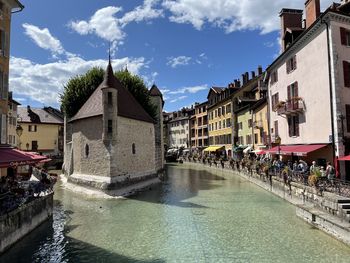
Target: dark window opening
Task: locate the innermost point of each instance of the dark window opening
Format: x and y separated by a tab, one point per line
87	150
293	125
34	145
133	148
110	98
110	126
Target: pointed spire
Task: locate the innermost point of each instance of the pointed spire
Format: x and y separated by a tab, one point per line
126	68
109	74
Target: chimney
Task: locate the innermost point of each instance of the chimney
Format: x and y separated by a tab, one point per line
290	18
260	70
243	79
312	11
246	77
253	74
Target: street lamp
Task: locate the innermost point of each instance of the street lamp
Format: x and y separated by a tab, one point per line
19	132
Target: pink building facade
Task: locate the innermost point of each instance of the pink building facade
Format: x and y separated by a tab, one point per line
309	84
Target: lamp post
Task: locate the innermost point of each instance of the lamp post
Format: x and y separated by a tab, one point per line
19	132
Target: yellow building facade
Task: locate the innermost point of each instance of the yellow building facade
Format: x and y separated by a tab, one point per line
261	125
42	131
220	120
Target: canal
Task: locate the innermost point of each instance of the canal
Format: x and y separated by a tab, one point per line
194	216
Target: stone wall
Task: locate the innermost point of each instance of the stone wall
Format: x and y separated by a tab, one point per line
18	223
142	135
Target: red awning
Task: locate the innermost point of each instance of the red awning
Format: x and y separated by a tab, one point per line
298	150
344	158
10	157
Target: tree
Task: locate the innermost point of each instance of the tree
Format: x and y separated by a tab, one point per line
79	89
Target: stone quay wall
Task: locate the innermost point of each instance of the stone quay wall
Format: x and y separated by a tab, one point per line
18	223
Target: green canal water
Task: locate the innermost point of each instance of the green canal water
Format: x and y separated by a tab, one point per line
194	216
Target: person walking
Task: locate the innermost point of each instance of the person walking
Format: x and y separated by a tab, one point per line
330	172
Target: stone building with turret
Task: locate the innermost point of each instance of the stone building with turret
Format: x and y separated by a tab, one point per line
112	143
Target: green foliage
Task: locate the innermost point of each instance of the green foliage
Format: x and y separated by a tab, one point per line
79	89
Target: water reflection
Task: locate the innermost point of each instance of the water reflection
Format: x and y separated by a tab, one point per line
194	216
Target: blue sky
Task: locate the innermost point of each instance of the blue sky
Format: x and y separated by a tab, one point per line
184	46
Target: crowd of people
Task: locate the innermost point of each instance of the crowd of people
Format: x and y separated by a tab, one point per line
298	170
19	189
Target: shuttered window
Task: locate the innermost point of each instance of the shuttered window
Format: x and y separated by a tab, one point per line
275	100
293	126
347	106
345	36
276	128
291	64
3	137
346	70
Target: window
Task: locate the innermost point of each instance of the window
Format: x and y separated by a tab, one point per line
345	36
133	148
32	128
110	126
223	110
347	108
110	98
346	69
274	77
250	123
276	128
292	90
219	112
219	124
240	126
216	113
274	100
34	145
216	125
224	124
228	108
87	150
228	123
293	126
256	138
291	64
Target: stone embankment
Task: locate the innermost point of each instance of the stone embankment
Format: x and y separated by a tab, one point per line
19	222
325	211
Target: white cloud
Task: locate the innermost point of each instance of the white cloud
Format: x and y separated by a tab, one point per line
177	99
232	15
44	39
191	90
44	82
145	12
107	26
178	61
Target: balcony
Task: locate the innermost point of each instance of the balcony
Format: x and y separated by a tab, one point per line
290	107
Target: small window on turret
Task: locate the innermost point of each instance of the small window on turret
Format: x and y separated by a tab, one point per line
110	98
133	148
87	150
110	126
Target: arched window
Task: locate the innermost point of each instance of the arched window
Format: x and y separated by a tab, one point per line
133	148
87	151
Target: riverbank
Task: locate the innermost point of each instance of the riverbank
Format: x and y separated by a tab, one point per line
21	221
324	212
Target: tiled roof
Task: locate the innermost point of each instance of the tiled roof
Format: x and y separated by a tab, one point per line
37	115
128	106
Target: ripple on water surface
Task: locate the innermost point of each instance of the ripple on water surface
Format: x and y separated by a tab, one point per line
195	216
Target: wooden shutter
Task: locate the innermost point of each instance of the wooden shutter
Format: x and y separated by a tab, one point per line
3	138
288	66
1	84
276	128
343	36
296	123
347	106
289	92
295	62
5	86
290	127
346	68
296	93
